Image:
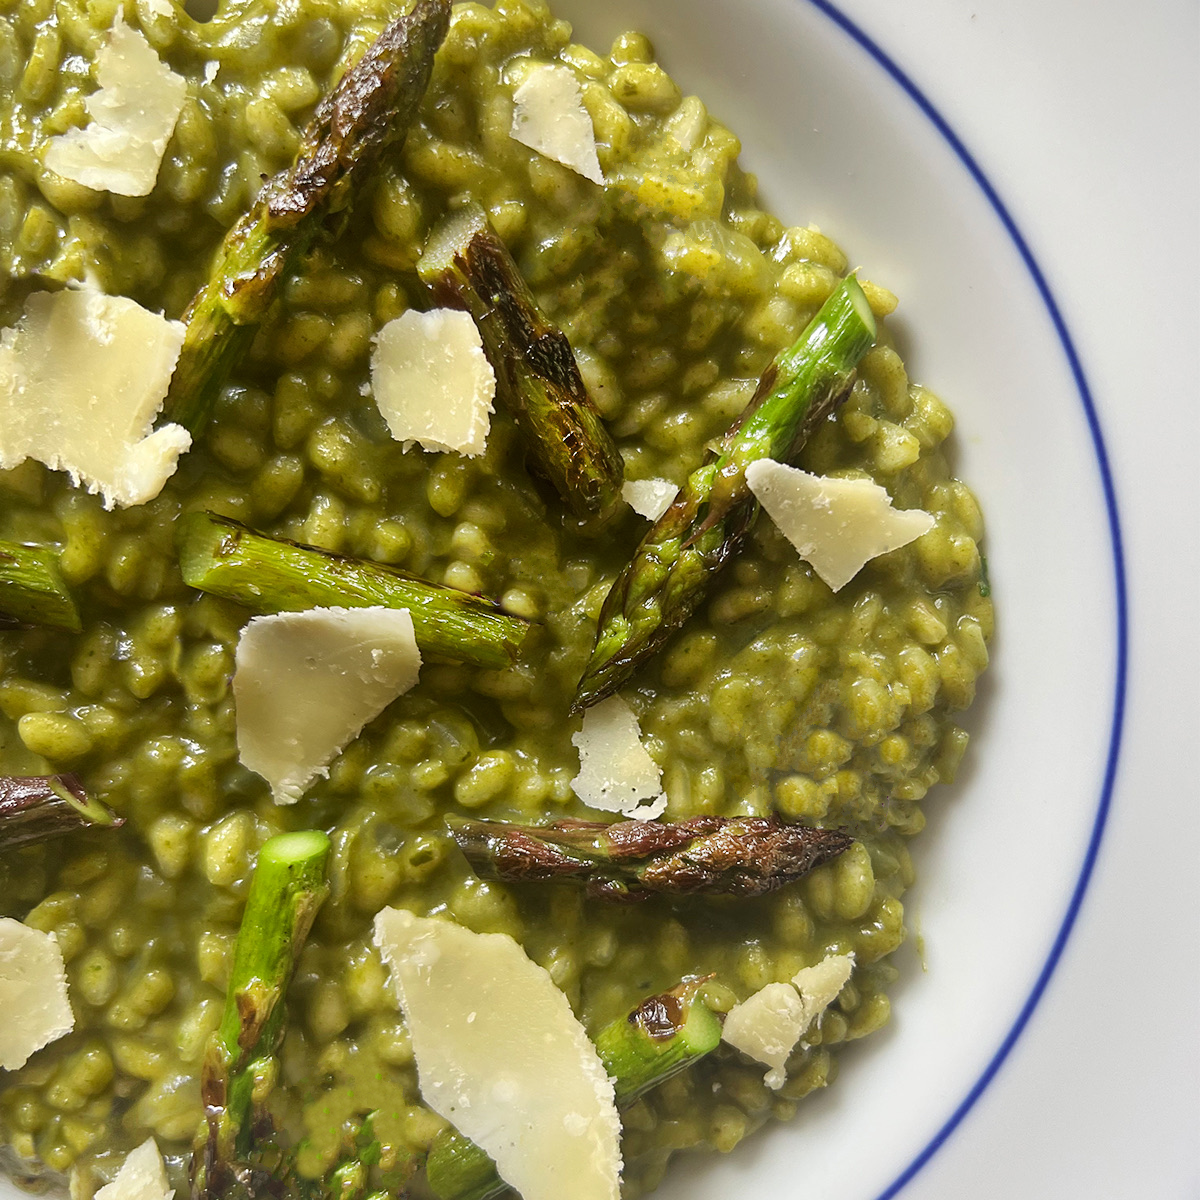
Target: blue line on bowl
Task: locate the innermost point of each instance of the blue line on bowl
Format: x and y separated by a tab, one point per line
922	102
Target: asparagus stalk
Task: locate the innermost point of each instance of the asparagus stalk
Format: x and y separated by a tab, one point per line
632	860
370	109
677	561
271	575
465	265
286	890
36	807
661	1036
32	591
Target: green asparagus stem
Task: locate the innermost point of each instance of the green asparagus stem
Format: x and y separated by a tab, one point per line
270	575
369	110
32	591
36	807
679	558
287	889
465	265
632	860
660	1037
457	1169
663	1035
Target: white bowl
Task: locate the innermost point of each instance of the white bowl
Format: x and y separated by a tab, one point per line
839	136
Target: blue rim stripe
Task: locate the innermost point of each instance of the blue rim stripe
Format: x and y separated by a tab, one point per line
1089	861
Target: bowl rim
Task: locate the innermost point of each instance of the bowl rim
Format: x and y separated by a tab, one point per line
830	10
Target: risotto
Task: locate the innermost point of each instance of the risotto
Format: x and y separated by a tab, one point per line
676	288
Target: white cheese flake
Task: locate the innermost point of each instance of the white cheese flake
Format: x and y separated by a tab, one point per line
501	1056
305	683
133	113
649	498
433	382
82	377
766	1027
836	525
143	1176
616	771
820	985
549	117
768	1024
33	992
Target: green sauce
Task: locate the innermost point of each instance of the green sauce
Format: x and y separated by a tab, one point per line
676	288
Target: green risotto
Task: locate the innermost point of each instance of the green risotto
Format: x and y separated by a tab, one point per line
676	288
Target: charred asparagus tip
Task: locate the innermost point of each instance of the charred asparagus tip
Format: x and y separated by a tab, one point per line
682	554
631	860
465	265
370	109
36	807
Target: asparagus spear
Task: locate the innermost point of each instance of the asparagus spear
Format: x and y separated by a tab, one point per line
36	807
467	266
369	110
705	526
32	591
271	575
286	890
631	860
660	1037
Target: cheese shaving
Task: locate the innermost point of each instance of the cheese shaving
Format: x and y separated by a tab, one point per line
616	772
501	1056
767	1025
33	993
549	117
82	377
821	984
133	114
143	1176
433	382
836	525
649	498
305	683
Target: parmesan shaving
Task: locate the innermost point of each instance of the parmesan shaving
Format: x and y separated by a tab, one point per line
820	985
649	498
33	993
433	382
501	1056
549	117
767	1025
142	1176
615	771
82	377
836	525
133	114
305	683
